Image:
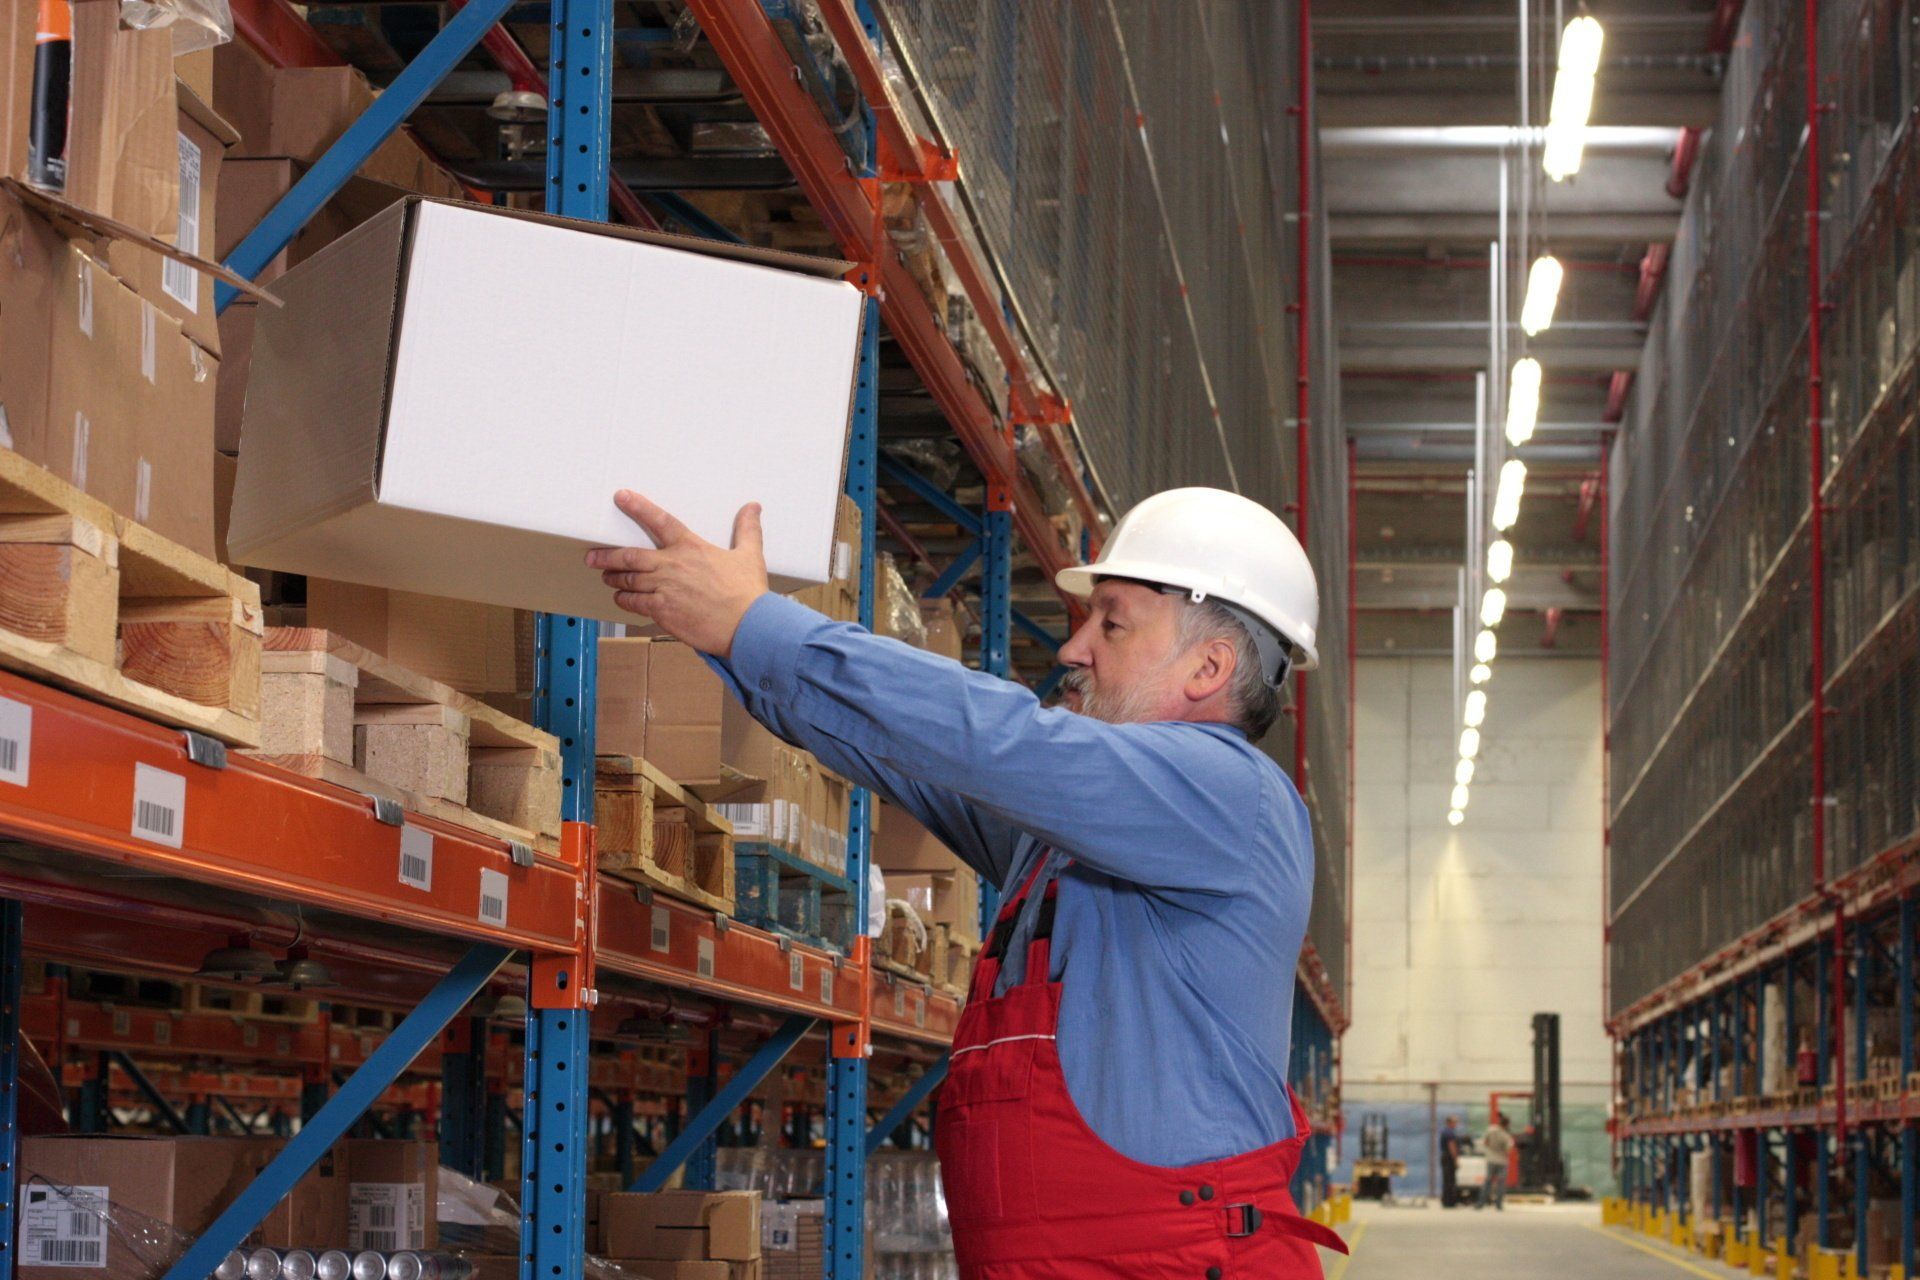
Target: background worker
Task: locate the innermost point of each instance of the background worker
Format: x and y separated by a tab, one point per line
1117	1102
1450	1163
1497	1143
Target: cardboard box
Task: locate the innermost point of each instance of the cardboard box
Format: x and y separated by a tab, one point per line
717	1225
661	1269
129	405
390	1203
200	140
476	648
123	156
19	20
250	186
182	1183
949	898
839	597
659	700
31	256
900	843
946	631
476	458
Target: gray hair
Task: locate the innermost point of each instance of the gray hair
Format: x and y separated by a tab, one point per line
1255	701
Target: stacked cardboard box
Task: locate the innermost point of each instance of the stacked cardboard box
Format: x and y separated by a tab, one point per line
89	1201
793	1240
391	1198
684	1235
925	873
839	598
800	805
946	628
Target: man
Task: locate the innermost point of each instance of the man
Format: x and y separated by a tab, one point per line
1117	1102
1498	1144
1450	1163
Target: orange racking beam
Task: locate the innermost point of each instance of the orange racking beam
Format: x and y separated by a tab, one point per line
264	831
761	66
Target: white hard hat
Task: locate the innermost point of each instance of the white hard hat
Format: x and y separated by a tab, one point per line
1214	545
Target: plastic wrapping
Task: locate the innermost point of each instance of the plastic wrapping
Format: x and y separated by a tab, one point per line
196	24
906	1207
876	899
936	460
896	608
65	1226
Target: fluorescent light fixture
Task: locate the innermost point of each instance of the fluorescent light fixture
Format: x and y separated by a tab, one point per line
1459	799
1476	708
1481	672
1469	743
1455	817
1463	773
1486	647
1493	607
1506	499
1523	400
1572	98
1543	294
1500	560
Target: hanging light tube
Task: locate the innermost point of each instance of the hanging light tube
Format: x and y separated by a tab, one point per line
1523	400
1476	709
1455	817
1459	799
1481	672
1543	294
1486	647
1506	499
1463	773
1499	560
1469	743
1566	139
1493	607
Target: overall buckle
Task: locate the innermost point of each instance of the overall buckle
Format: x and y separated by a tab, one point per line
1248	1220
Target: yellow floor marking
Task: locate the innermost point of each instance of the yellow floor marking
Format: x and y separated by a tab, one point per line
1353	1244
1661	1254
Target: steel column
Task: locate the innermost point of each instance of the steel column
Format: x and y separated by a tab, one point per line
463	1103
910	1101
730	1095
996	640
12	968
553	1142
703	1080
1862	1147
363	137
1909	1131
415	1032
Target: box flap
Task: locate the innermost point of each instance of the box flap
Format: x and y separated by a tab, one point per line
84	224
802	263
195	108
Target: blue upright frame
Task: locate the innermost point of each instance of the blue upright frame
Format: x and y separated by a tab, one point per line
12	967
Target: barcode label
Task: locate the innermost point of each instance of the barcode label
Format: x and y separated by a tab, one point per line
493	896
704	963
662	929
63	1227
380	1216
373	1238
386	1215
159	804
826	985
416	858
16	741
796	971
178	280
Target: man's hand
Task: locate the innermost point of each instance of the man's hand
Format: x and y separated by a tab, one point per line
696	591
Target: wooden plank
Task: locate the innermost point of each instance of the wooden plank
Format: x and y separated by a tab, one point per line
653	832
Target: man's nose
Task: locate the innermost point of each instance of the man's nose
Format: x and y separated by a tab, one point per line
1077	652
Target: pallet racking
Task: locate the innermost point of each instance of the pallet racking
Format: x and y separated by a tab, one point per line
1762	881
288	861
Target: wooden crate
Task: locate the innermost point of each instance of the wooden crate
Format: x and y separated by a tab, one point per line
655	832
257	1005
781	892
342	713
953	959
93	602
900	949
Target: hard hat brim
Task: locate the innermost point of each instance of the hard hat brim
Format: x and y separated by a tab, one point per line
1079	581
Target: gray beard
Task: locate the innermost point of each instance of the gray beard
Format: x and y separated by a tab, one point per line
1127	706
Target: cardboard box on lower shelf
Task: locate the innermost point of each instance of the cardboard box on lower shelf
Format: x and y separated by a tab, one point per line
476	648
660	702
948	898
793	1240
682	1227
390	1202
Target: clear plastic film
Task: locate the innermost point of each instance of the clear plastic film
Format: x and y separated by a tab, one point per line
896	608
78	1226
196	24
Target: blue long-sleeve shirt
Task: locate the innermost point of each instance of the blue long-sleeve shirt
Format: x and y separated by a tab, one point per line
1181	914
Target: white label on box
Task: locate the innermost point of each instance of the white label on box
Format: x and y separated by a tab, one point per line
122	1022
796	971
493	898
159	804
386	1215
826	985
704	964
899	1001
416	858
142	489
749	820
6	429
149	345
842	561
84	305
662	929
920	1008
16	741
779	1227
81	430
178	280
163	1031
63	1226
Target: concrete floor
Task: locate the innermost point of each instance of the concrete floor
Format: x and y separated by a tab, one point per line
1524	1243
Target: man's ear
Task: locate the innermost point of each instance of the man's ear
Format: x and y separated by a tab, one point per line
1212	669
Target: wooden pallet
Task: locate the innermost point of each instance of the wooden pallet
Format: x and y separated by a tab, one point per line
125	990
779	891
655	832
259	1006
344	714
953	959
95	603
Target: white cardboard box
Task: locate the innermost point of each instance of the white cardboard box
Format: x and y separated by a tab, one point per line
452	394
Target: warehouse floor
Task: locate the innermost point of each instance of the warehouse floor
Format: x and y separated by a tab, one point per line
1523	1243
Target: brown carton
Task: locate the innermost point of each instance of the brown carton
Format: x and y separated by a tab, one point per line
476	648
19	20
659	701
952	899
31	254
201	140
390	1203
944	628
900	843
123	157
722	1225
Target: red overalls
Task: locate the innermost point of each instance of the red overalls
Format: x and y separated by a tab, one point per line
1035	1194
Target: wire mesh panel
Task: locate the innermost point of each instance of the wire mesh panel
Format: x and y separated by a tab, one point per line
1712	605
1133	167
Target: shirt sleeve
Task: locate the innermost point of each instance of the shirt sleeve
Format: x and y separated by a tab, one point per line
1166	806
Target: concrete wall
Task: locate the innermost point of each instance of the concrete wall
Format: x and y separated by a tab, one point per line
1462	934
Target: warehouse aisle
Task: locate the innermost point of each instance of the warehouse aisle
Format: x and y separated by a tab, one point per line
1524	1243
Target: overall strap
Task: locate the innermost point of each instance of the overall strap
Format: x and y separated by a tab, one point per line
986	972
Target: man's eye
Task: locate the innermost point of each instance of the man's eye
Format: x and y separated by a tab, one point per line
1109	627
